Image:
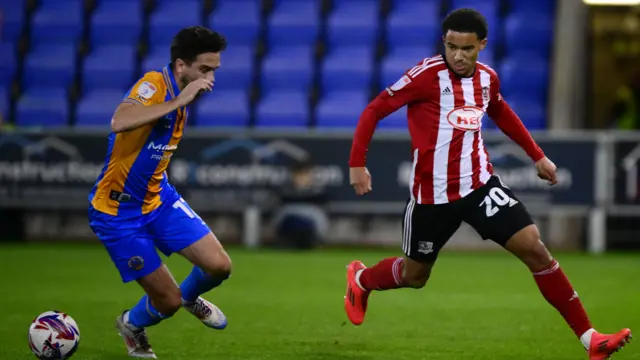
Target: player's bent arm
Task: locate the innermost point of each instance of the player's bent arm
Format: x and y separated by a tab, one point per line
510	124
130	116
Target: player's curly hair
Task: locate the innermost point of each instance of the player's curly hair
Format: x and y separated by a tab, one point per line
195	40
466	21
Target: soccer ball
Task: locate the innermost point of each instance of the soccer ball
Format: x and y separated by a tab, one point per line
54	335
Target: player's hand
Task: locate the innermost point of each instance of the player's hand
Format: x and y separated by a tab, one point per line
192	90
547	171
360	179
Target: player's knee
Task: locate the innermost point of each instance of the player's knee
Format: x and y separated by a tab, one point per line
532	250
169	302
220	267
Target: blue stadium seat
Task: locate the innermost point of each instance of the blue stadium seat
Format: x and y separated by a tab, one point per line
347	68
49	66
12	13
4	102
118	22
237	69
395	121
57	23
546	7
526	31
487	56
109	67
354	23
413	22
159	57
294	23
489	8
223	108
96	108
239	21
283	109
530	80
285	68
8	64
43	107
341	109
531	112
398	61
171	17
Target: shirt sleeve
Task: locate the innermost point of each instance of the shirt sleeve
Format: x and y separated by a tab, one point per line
149	90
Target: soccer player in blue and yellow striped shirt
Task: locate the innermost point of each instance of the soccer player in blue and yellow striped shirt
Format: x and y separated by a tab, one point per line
134	209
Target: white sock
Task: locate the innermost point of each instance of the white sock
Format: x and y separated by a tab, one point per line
358	279
585	339
127	323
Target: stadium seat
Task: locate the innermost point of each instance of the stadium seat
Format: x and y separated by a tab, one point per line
8	64
489	8
413	22
4	102
347	68
354	23
341	109
12	15
487	56
524	31
288	69
239	21
531	112
96	108
159	57
43	107
117	22
530	80
109	67
171	17
57	23
546	7
223	108
237	69
294	23
399	60
49	66
283	109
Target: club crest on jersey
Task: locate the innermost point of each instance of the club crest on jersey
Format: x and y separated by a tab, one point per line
467	118
146	91
400	83
485	93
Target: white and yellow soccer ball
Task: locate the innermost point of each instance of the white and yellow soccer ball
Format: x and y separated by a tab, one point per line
54	335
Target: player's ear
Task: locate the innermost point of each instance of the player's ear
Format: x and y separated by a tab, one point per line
483	44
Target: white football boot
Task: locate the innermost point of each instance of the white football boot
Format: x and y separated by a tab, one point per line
209	314
136	340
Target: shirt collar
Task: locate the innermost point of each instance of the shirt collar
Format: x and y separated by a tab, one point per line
172	85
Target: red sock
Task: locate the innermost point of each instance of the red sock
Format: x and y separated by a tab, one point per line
557	289
385	275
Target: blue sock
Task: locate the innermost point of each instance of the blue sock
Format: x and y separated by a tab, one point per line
144	314
198	283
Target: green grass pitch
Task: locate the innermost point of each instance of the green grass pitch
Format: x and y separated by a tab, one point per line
288	305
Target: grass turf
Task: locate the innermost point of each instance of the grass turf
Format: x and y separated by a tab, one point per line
287	305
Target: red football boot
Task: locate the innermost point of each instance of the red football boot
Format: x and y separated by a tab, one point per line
603	345
355	301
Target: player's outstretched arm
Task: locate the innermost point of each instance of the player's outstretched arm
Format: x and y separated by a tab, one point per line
132	115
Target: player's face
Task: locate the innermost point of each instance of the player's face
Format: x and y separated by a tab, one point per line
203	67
461	51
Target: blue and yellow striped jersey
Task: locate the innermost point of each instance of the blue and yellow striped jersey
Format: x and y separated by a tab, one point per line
133	180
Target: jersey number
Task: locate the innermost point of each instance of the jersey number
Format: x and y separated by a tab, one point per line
182	206
496	198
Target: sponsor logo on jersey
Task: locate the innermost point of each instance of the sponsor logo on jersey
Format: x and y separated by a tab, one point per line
146	91
468	118
404	81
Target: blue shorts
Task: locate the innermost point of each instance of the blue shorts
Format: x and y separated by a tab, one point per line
132	242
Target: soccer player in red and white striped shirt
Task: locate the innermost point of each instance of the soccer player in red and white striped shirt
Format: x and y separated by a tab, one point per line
453	181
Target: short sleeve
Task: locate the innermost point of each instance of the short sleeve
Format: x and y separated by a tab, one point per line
149	90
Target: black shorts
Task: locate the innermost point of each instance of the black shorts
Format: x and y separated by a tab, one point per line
492	210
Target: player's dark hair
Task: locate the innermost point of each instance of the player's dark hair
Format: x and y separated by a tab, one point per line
466	21
195	40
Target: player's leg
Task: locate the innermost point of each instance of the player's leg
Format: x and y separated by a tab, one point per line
179	229
426	229
497	214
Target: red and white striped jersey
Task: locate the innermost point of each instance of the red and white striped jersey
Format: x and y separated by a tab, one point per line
445	115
